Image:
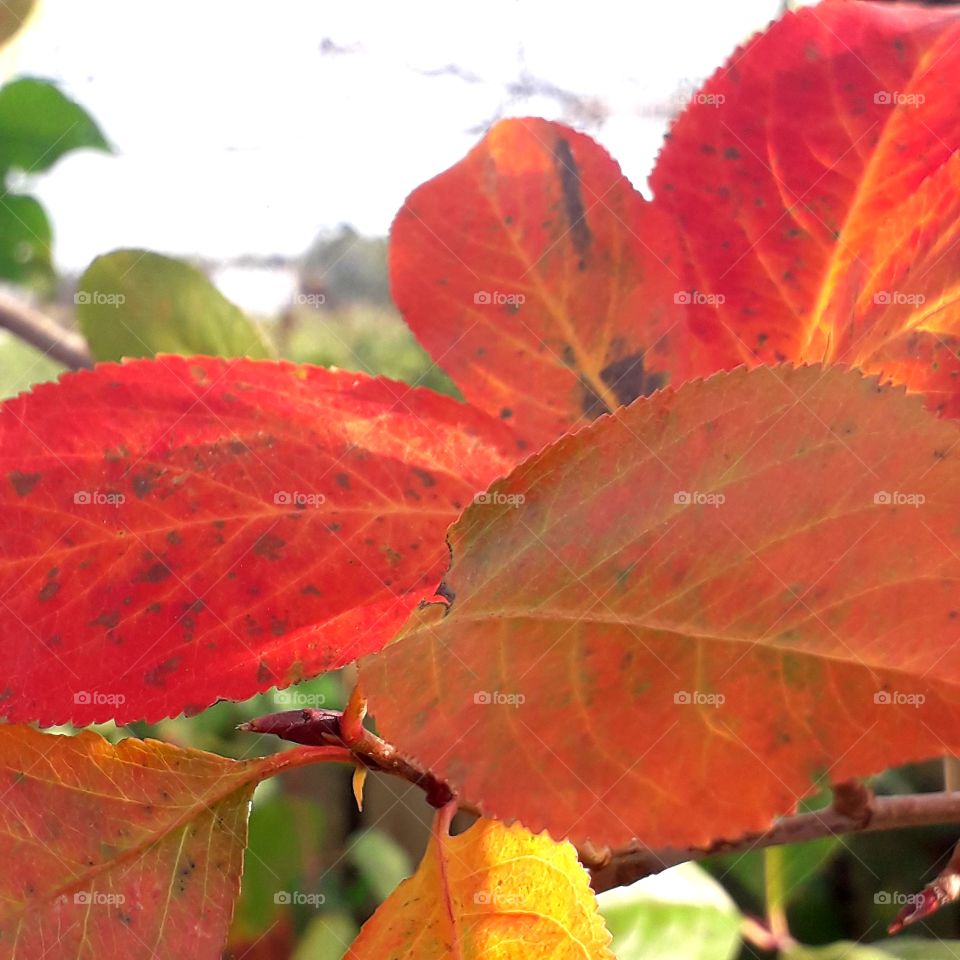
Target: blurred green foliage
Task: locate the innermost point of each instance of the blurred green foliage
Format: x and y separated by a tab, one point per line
38	125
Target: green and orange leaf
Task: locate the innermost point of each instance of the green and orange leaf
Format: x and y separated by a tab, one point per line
675	620
131	850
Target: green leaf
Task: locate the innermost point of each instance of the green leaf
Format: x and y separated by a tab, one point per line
916	948
905	948
380	860
327	937
38	125
21	366
284	834
800	861
133	303
25	240
682	912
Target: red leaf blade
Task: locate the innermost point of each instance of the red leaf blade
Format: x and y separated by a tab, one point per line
182	530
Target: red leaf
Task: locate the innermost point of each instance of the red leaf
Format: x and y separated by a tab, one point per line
787	165
527	271
121	851
896	310
186	529
674	620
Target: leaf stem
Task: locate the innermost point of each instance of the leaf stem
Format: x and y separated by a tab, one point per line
776	895
37	329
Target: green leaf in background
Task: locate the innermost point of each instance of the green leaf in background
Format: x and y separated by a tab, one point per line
800	862
901	948
682	912
916	948
285	832
22	366
38	125
133	303
25	240
380	860
327	937
841	951
13	17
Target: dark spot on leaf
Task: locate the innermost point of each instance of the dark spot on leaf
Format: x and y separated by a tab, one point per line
343	480
174	538
269	546
444	591
108	620
264	673
569	175
426	478
628	380
157	677
310	591
49	591
506	413
23	483
155	573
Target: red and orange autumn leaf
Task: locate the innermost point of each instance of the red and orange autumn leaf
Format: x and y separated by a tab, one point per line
772	556
494	891
181	530
791	178
527	272
783	212
131	850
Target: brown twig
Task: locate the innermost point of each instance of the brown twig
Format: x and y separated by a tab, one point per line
629	864
330	727
37	329
855	809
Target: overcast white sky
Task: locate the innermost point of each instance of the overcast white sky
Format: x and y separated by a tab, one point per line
235	134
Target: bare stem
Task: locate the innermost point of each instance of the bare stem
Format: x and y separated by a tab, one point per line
855	810
632	863
37	329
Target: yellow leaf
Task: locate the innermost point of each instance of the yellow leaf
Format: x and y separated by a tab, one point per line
494	891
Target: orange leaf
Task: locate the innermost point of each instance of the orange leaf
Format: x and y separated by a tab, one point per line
492	891
673	620
527	271
180	530
121	851
791	177
896	310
